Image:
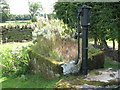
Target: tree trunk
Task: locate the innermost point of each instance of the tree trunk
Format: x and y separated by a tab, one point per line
95	41
118	50
103	44
113	44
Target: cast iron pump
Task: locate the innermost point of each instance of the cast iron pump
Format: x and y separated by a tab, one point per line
82	32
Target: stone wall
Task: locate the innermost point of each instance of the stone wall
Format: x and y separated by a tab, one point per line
15	33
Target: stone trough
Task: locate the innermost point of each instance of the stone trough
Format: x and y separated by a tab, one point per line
51	68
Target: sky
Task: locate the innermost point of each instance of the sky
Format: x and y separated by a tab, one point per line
21	6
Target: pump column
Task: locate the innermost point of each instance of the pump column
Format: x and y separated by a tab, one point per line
84	22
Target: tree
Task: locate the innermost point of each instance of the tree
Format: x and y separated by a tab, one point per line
104	19
4	11
34	9
67	11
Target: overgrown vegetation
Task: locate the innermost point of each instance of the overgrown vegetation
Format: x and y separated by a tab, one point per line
48	36
14	59
53	39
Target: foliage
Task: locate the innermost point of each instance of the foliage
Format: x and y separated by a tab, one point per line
14	59
104	26
51	16
67	12
4	8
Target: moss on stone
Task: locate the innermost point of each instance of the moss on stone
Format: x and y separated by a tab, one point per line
40	57
98	53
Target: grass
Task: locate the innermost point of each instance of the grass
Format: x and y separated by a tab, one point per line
5	46
12	44
14	23
29	81
111	64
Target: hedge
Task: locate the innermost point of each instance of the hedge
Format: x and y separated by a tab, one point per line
15	33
